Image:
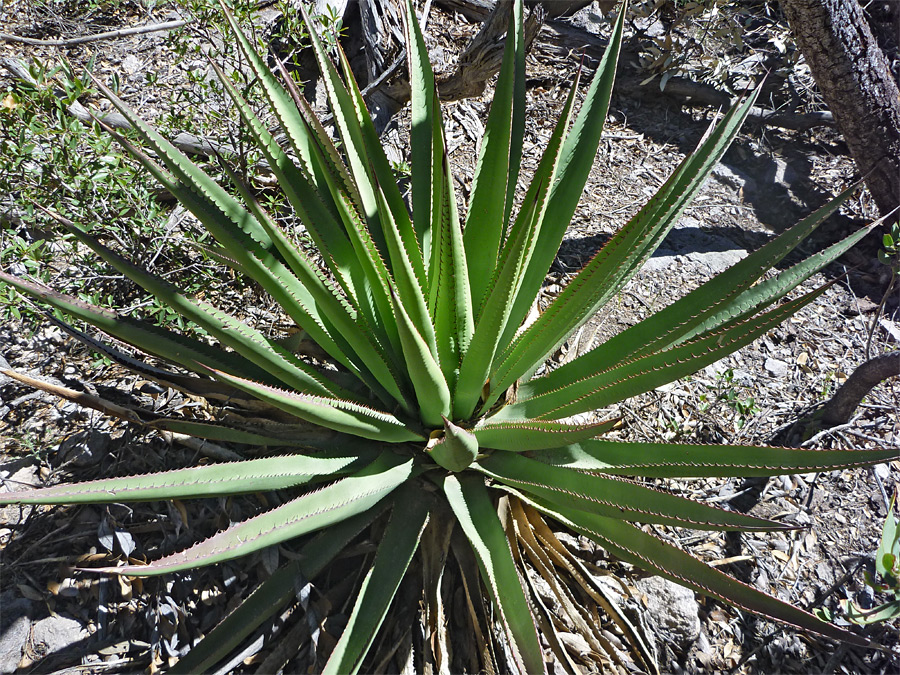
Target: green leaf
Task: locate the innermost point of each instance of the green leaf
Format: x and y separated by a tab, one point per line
407	289
647	372
865	617
244	339
355	150
889	549
365	271
426	136
494	324
477	360
633	545
234	430
311	189
338	414
731	295
384	175
497	169
435	214
191	384
576	160
269	597
146	336
432	392
225	478
525	435
613	497
477	516
208	191
449	299
265	601
534	215
313	511
395	551
682	460
303	132
348	341
319	216
618	260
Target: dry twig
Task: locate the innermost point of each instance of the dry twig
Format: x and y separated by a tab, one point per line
109	35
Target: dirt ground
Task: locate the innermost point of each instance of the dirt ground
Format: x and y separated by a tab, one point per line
768	180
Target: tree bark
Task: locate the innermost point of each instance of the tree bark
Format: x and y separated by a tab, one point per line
855	79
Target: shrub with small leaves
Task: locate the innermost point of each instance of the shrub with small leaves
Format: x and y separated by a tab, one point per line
886	580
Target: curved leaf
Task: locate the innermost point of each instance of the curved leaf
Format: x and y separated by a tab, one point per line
224	478
619	259
576	160
614	497
729	296
395	551
234	430
148	337
269	597
477	516
647	372
310	512
338	414
432	392
244	339
683	460
633	545
525	435
499	157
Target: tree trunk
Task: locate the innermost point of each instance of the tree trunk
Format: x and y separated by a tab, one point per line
856	82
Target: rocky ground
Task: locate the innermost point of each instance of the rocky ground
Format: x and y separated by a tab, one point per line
53	619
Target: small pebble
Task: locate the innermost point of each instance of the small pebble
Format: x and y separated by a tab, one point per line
776	367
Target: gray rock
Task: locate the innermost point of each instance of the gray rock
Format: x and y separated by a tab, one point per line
742	377
688	242
56	633
15	627
781	173
590	18
661	260
672	610
734	178
85	448
132	64
718	261
652	26
777	367
716	370
18	474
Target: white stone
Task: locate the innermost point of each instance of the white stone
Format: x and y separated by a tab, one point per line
672	609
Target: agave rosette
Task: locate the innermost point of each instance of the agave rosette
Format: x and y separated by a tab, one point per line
437	416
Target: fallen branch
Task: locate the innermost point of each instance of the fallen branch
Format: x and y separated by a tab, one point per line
692	93
837	412
109	35
482	57
851	393
478	63
561	39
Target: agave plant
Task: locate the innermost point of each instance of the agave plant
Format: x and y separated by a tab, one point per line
429	408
